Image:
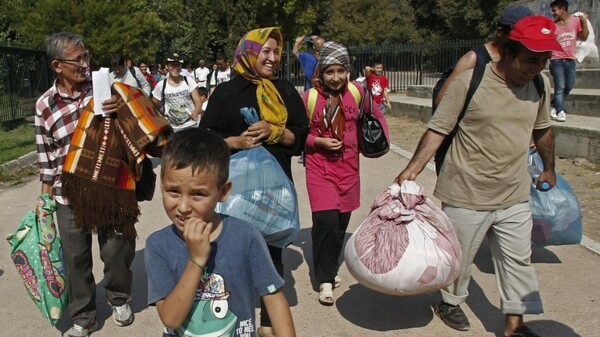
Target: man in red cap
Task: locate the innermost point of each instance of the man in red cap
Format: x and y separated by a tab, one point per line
484	184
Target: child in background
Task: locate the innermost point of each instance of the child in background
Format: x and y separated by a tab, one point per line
203	92
378	84
205	269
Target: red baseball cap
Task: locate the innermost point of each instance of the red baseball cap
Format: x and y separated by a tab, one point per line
536	33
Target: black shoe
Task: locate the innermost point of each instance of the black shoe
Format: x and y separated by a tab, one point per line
452	316
524	331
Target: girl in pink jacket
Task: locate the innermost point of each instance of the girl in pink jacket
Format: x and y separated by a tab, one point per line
332	163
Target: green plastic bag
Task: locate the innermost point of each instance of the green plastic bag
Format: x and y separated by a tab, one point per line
36	252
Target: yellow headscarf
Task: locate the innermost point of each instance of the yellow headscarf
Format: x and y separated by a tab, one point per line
270	103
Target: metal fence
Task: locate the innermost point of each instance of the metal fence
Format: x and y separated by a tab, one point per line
404	65
24	76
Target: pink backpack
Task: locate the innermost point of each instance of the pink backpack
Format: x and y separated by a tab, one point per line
406	246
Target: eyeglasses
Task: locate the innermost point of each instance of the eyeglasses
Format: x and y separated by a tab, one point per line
84	58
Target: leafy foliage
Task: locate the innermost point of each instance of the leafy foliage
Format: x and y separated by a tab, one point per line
150	29
370	22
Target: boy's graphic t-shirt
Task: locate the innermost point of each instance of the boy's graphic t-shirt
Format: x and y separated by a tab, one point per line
238	269
178	103
377	84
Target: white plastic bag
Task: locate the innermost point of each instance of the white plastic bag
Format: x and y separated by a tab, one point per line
262	195
406	246
586	49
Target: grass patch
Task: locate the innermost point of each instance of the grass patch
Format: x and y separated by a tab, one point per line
8	178
17	138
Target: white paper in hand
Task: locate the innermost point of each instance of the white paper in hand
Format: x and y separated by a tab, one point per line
101	85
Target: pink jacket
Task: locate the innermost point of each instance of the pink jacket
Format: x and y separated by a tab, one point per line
332	178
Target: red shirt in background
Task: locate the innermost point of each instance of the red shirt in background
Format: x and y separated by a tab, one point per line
377	85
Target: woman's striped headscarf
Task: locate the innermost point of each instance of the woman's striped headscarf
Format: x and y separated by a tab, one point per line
270	103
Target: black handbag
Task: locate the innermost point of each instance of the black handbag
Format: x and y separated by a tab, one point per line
144	188
372	141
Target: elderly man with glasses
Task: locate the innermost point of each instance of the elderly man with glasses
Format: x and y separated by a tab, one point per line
57	113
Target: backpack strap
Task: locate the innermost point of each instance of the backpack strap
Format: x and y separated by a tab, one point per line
311	101
132	71
162	96
538	81
355	92
483	58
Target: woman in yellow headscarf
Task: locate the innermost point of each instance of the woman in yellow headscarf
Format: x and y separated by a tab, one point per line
282	127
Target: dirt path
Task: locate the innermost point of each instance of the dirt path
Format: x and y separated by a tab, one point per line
583	176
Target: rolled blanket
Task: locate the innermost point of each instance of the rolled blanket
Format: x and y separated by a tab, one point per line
104	161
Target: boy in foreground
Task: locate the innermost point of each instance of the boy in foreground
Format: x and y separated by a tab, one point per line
205	269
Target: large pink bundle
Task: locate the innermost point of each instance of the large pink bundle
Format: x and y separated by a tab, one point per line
406	246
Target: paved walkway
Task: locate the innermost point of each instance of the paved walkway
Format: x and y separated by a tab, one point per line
568	280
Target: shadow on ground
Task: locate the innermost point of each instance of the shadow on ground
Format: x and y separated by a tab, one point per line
139	296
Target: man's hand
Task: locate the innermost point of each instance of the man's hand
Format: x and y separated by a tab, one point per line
196	234
406	174
109	106
548	177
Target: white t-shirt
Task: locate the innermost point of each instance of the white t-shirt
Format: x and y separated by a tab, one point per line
129	79
222	77
178	103
201	75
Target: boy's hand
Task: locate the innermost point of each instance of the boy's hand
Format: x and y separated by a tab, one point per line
196	234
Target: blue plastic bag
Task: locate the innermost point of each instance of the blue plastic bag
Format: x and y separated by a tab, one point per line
556	213
262	195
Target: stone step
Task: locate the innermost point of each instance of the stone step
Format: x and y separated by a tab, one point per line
584	78
578	137
582	102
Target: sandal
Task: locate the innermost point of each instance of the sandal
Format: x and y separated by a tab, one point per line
338	282
259	333
524	331
326	294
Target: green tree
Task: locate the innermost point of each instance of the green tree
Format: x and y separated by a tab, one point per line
456	19
370	22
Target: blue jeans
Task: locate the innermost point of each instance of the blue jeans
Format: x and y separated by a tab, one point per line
563	72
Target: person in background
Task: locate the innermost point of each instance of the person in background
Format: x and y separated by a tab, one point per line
222	74
282	127
198	289
143	65
332	162
132	76
569	29
178	97
308	60
484	184
203	92
201	74
378	84
57	113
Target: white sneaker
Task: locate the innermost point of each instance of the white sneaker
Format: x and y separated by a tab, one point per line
562	117
122	315
553	115
79	331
